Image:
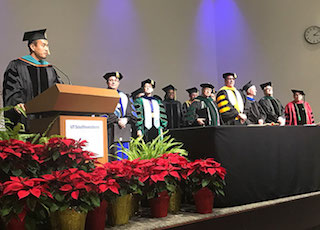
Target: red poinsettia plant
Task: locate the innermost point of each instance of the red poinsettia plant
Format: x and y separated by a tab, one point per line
73	188
160	174
206	173
24	198
19	158
126	174
106	186
63	153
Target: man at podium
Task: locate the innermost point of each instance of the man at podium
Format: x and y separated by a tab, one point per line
28	76
120	122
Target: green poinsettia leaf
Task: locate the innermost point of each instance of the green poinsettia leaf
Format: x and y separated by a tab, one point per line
205	182
16	172
55	155
5	210
95	201
54	207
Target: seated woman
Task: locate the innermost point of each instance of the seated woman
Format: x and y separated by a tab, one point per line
298	112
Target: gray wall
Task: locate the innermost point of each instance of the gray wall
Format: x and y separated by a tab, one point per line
183	42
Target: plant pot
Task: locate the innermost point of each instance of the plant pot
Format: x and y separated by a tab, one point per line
16	224
135	204
119	211
54	221
203	199
70	219
175	201
96	219
159	205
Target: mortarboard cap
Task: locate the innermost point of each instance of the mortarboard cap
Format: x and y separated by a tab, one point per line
247	86
150	81
207	85
169	87
113	74
264	85
229	74
31	36
297	91
136	92
157	97
192	90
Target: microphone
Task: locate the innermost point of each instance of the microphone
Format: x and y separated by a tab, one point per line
69	81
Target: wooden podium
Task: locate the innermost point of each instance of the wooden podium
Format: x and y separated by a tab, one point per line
69	109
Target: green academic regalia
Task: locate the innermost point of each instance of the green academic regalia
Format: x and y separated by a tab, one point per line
152	118
203	107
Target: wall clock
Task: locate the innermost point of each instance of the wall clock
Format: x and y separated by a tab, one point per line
312	34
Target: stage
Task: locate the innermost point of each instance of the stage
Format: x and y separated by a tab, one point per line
299	212
263	163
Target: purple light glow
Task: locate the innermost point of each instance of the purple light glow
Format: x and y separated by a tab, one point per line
234	41
204	53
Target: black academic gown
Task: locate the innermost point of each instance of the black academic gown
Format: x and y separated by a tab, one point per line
254	112
128	111
272	107
22	82
174	113
229	113
203	107
185	108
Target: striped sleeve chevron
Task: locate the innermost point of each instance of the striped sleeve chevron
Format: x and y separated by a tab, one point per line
163	115
226	109
138	104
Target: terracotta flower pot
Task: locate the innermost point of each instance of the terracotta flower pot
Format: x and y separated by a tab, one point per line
175	201
159	205
96	219
119	211
203	199
16	224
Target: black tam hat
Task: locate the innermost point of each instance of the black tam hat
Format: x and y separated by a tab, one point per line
264	85
150	81
31	36
229	74
113	74
207	85
136	92
169	87
247	86
192	90
298	91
